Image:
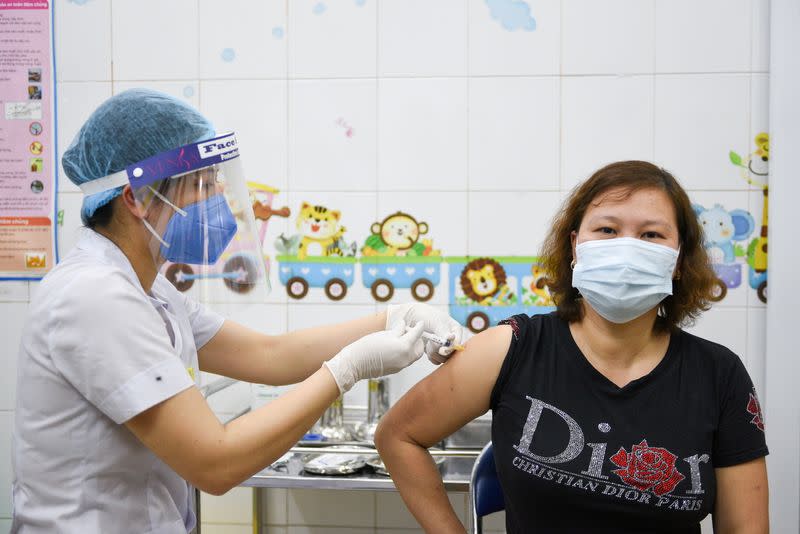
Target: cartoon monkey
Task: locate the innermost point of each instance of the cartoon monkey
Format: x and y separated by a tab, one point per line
484	281
397	235
539	286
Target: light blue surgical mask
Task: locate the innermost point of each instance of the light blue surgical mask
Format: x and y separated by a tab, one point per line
624	277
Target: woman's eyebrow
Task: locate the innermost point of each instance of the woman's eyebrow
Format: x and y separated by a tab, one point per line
611	218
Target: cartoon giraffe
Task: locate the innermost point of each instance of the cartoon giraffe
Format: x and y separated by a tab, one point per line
758	246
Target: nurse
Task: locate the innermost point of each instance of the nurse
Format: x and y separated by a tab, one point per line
111	432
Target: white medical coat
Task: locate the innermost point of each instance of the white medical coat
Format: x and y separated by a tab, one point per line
96	351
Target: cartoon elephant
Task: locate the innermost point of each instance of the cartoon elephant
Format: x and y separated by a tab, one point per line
722	228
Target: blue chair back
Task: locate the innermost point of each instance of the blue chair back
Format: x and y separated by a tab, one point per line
485	493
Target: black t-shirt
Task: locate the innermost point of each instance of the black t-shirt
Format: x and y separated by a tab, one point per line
576	453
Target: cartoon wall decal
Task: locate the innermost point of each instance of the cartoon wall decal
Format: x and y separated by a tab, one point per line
723	230
483	281
755	171
321	231
399	235
512	14
318	255
484	291
348	130
396	256
236	267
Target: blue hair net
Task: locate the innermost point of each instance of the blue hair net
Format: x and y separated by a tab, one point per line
125	129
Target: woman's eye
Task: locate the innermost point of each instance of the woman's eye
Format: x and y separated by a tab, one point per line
651	235
606	230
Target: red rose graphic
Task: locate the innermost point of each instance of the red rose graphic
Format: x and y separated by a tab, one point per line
647	468
754	409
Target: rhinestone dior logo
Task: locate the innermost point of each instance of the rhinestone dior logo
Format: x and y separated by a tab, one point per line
647	474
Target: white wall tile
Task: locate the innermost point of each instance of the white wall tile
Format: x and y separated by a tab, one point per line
699	119
526	47
760	60
235	507
332	135
14	291
6	428
422	134
421	38
393	513
148	47
509	224
256	111
513	133
5	525
759	107
82	55
14	317
603	120
76	101
332	39
68	232
307	315
495	522
686	43
334	508
274	506
327	530
243	39
266	318
212	528
726	326
186	90
757	348
609	37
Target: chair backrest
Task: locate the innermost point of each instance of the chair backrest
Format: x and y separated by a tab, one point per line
486	495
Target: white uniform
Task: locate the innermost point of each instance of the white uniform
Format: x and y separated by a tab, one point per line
96	351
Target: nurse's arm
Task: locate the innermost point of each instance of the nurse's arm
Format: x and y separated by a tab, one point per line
742	505
245	354
450	397
187	436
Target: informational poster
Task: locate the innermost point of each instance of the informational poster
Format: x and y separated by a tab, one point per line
27	140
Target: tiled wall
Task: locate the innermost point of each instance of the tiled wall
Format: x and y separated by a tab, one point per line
477	129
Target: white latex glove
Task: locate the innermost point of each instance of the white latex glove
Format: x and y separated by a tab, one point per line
375	355
434	321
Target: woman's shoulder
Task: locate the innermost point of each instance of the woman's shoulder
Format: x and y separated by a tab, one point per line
709	356
525	327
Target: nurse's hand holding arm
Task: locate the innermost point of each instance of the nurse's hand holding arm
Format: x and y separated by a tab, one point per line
187	436
239	352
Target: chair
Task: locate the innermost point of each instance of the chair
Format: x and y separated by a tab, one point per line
485	493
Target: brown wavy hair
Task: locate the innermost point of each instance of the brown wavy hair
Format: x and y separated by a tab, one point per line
693	290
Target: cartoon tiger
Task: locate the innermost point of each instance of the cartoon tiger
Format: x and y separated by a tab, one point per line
484	281
321	231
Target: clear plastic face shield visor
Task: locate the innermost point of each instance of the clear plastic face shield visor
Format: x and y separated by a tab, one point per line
196	206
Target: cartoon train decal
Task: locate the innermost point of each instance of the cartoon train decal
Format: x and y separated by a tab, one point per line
237	268
398	254
481	291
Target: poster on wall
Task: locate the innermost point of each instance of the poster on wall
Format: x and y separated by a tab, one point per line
27	140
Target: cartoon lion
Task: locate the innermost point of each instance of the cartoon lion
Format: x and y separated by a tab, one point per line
539	286
484	281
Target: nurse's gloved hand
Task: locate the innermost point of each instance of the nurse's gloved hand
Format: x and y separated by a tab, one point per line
435	322
375	355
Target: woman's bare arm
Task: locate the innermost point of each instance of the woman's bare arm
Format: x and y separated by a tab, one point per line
450	397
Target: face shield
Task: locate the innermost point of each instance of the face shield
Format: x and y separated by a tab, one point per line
196	206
